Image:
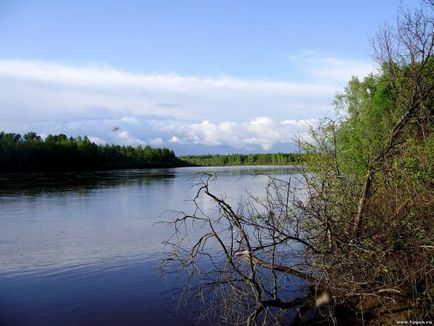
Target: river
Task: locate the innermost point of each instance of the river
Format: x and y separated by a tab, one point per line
85	248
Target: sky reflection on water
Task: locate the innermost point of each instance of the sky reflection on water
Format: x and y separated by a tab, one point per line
84	248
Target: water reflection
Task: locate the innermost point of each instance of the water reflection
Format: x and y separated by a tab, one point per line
90	241
82	182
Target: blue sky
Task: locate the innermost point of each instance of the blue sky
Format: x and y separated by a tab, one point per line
195	76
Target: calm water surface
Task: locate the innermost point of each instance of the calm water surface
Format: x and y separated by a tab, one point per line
85	248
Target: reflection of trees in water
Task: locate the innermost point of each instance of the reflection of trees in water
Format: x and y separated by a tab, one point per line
80	183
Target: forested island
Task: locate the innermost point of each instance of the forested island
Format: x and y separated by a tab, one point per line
32	153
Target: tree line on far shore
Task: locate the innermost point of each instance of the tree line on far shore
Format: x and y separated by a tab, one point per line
244	159
32	153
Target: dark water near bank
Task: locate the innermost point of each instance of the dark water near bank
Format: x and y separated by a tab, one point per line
85	248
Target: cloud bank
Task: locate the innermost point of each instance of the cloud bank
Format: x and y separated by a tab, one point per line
182	112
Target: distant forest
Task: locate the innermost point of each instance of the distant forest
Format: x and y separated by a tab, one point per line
244	159
31	153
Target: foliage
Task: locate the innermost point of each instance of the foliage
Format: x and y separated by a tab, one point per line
60	153
247	159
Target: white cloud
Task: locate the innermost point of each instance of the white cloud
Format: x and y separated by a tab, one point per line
321	66
115	106
175	140
55	92
105	76
156	142
300	123
128	139
131	120
97	140
263	131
